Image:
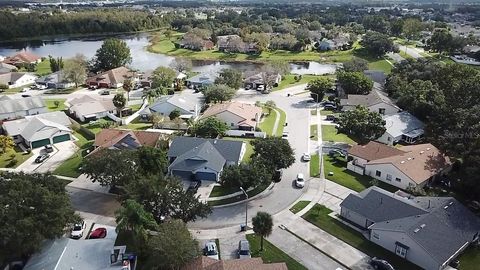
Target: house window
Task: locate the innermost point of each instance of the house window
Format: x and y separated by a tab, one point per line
398	179
378	173
389	139
401	250
381	111
375	235
389	177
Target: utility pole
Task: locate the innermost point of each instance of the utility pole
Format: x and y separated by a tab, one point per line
246	207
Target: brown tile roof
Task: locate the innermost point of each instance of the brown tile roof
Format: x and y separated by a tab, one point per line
22	57
246	111
113	76
419	162
205	263
108	137
374	150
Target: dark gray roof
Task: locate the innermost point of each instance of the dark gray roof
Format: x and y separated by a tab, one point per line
55	77
202	156
377	76
376	204
230	150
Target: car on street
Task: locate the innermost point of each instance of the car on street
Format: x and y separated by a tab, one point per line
300	181
380	264
104	93
26	95
210	250
260	88
92	87
48	148
306	157
244	249
277	176
285	135
194	185
78	229
42	158
98	233
329	107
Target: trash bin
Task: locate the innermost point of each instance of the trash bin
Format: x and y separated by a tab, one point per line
243	228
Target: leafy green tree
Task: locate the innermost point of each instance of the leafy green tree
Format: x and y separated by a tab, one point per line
119	102
245	176
270	105
376	23
412	27
151	160
6	144
181	64
132	217
163	77
273	152
34	207
128	85
174	114
75	70
171	247
440	41
154	93
355	65
218	93
230	77
355	82
56	64
112	54
210	127
319	87
262	226
377	44
362	124
164	197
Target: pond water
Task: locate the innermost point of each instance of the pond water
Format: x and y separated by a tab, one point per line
141	58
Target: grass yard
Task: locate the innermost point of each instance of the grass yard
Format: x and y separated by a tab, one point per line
314	132
135	107
380	64
51	104
70	166
470	259
328	112
219	191
281	123
299	206
315	165
271	254
318	216
268	122
405	55
6	159
248	151
329	133
240	197
43	68
98	125
138	126
289	81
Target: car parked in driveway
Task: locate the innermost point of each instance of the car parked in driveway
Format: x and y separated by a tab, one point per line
98	233
48	148
329	107
331	117
210	250
380	264
194	185
300	181
244	249
42	158
78	229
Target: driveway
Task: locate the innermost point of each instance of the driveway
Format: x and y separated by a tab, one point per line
62	151
94	204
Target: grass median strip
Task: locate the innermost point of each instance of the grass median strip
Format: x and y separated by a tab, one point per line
314	165
314	132
240	197
299	206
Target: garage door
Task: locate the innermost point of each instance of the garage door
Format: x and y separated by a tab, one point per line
206	176
61	138
40	143
185	175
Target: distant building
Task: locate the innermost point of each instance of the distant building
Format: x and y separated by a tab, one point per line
257	80
18	108
201	80
22	58
188	108
113	78
375	101
17	79
6	68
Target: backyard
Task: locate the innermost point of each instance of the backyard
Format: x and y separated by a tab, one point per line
289	81
51	106
6	159
330	134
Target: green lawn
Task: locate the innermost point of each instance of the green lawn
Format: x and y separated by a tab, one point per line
43	68
219	191
327	112
470	259
98	125
240	197
138	126
380	64
318	216
289	81
248	151
271	254
329	133
70	166
268	122
51	104
314	132
14	90
299	206
281	123
17	154
135	107
315	166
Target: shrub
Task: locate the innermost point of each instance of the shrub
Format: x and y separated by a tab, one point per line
12	162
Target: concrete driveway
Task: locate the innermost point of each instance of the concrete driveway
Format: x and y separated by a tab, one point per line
61	152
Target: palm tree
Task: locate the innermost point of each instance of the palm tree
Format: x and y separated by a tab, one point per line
262	226
132	217
154	93
128	86
119	102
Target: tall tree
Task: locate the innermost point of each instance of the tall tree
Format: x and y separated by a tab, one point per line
6	144
75	70
230	77
377	44
181	64
112	54
163	77
411	28
319	87
355	65
56	64
151	160
128	85
354	82
210	127
362	123
270	105
171	247
273	152
34	207
132	217
245	175
440	41
262	226
119	102
218	93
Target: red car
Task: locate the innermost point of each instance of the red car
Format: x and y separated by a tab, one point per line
98	233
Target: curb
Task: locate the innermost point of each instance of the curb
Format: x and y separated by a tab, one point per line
268	189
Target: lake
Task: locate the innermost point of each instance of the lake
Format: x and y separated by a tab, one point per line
141	58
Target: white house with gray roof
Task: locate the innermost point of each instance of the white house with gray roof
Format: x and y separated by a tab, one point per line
87	108
17	108
189	107
402	126
39	130
427	231
17	79
203	159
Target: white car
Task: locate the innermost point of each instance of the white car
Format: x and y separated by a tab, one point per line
306	157
77	230
41	86
300	181
260	88
211	250
244	249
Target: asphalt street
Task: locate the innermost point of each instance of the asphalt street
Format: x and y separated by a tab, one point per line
92	202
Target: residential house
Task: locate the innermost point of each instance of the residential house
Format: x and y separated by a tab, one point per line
113	78
17	108
22	58
237	115
55	80
91	254
39	130
430	232
402	127
234	43
254	81
326	45
201	80
187	106
206	263
6	68
404	167
203	159
88	108
375	101
17	79
195	43
125	139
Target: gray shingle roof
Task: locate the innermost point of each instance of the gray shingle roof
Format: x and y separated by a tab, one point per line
374	97
202	156
179	101
230	150
23	104
402	123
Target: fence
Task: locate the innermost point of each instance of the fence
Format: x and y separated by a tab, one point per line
244	133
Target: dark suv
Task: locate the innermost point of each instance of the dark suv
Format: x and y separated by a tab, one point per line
194	185
277	176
